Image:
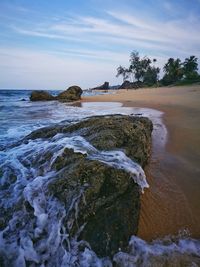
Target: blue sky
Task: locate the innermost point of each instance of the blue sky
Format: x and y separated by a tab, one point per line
48	44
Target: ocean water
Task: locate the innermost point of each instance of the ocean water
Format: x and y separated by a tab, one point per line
21	180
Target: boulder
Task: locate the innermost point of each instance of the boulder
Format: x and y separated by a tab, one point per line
104	86
73	93
106	200
131	85
41	96
128	133
109	207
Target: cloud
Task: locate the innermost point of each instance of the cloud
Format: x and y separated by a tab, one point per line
83	49
171	31
171	35
39	70
44	34
58	70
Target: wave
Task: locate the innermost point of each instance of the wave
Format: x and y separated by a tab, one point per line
34	228
169	251
33	222
37	232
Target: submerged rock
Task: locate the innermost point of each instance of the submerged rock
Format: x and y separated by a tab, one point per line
106	200
41	96
73	93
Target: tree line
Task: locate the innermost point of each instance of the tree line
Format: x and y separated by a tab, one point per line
142	71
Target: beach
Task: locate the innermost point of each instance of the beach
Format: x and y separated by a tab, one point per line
75	174
171	205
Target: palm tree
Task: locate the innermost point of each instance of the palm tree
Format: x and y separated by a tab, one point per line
173	71
190	67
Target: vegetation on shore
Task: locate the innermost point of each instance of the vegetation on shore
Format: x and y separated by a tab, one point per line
143	72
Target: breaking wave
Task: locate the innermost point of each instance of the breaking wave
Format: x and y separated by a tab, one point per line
33	224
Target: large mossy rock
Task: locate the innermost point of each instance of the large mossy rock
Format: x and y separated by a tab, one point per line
73	93
108	207
106	200
41	96
127	133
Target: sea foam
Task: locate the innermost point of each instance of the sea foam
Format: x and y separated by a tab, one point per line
37	232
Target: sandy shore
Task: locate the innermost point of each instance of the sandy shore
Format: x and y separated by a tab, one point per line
186	96
172	202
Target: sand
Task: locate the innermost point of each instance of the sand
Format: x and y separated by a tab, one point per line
187	96
172	204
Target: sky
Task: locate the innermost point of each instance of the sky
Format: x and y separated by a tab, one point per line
53	44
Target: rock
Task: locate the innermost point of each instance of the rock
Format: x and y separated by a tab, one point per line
73	93
128	133
41	96
106	200
105	204
130	85
126	85
104	86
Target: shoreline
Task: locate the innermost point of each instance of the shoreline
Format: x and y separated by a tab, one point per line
171	203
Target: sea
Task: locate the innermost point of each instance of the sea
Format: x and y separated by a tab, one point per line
20	180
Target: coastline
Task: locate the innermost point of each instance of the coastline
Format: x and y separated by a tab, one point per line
172	202
35	191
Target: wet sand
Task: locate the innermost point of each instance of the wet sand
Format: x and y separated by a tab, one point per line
172	204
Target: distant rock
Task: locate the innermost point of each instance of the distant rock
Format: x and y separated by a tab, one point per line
41	96
114	87
126	85
104	86
130	85
73	93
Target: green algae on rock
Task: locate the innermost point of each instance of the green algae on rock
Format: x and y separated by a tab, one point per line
127	133
41	96
73	93
106	205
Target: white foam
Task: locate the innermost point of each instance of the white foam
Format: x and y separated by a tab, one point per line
116	159
37	115
46	223
43	235
168	250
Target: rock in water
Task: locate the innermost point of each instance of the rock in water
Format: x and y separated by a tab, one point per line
41	96
73	93
108	207
106	200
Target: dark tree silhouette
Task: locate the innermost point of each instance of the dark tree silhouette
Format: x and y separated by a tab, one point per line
142	71
151	76
139	66
173	71
190	68
121	71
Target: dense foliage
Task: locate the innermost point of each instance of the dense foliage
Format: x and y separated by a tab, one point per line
143	72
